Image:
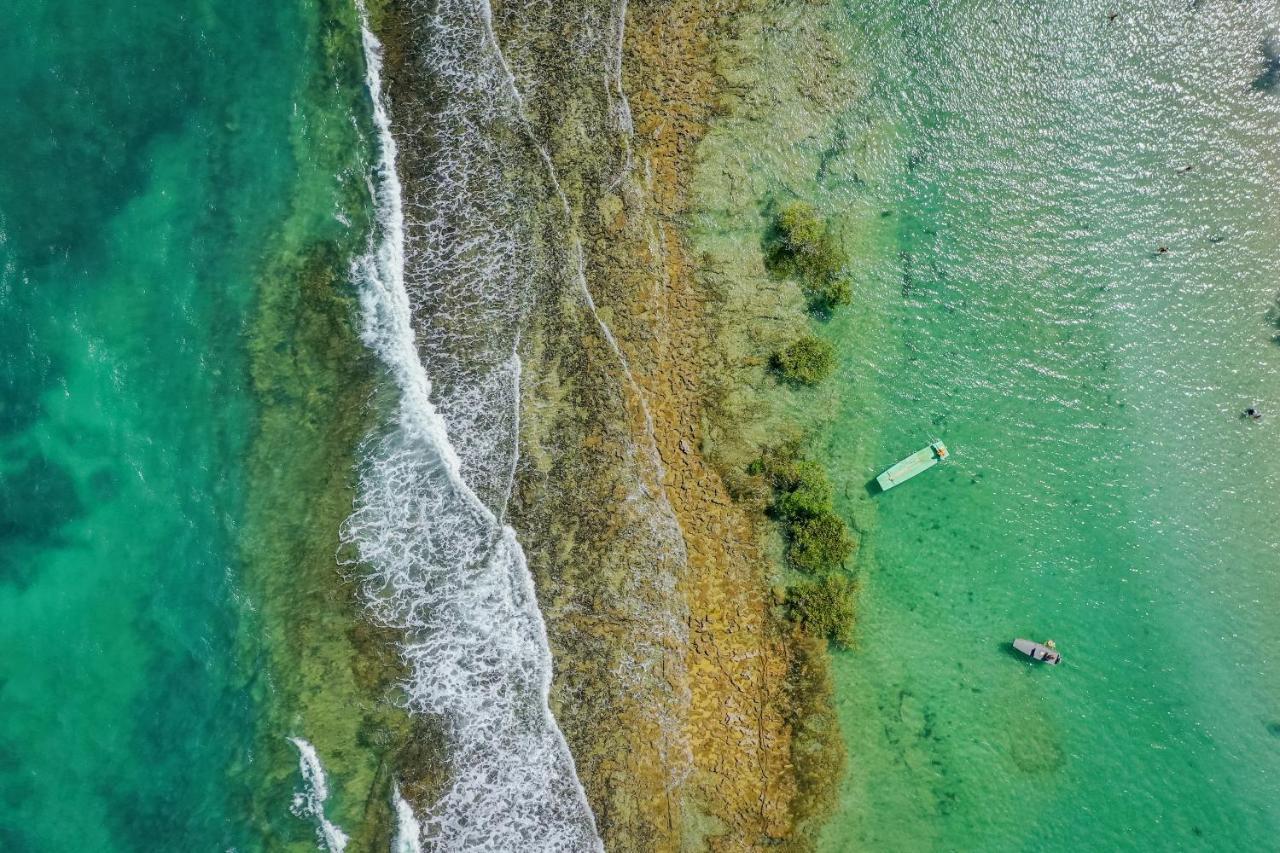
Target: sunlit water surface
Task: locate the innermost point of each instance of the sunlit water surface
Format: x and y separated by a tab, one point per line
1006	175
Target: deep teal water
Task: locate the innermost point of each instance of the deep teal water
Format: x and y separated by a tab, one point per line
147	158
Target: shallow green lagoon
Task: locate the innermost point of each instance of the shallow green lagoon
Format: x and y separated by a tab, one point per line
149	164
1005	175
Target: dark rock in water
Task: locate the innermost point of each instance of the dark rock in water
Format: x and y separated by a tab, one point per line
1273	728
36	500
18	411
18	567
1269	79
27	370
1037	755
104	484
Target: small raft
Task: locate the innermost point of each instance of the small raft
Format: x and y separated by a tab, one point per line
921	460
1045	652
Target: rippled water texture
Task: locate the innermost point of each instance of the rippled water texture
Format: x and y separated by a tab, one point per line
1105	491
1007	175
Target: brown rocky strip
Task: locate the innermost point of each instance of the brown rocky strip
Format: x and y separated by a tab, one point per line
690	705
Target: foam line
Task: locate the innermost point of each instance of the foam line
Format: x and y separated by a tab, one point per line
408	828
309	802
443	569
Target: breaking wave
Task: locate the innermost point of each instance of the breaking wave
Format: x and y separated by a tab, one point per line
444	570
408	828
309	802
494	262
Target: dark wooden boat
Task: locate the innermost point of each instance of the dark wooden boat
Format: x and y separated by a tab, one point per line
1045	652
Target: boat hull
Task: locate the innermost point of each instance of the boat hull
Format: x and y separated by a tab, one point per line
1037	651
918	462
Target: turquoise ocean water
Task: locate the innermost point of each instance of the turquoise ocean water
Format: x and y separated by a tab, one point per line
148	162
1004	176
1018	168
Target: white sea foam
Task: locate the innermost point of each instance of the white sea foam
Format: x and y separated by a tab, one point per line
309	802
445	571
657	614
408	828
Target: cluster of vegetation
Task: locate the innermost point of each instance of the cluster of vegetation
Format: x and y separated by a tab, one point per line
824	606
802	247
817	749
820	598
806	361
818	541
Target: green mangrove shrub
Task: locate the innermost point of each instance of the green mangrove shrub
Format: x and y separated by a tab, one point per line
805	361
803	248
786	469
825	606
776	464
804	491
818	539
819	543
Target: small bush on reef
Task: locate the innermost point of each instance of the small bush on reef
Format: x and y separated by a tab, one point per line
819	543
805	361
777	464
831	293
825	607
804	248
805	493
785	469
817	538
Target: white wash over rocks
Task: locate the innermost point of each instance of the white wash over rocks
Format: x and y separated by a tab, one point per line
441	567
308	803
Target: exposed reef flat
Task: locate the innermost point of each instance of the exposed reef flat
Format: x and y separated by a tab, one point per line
693	710
765	746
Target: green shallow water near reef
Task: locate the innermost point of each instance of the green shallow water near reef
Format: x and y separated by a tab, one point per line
179	197
1004	175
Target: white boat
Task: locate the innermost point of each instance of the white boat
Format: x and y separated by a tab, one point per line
922	460
1046	651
